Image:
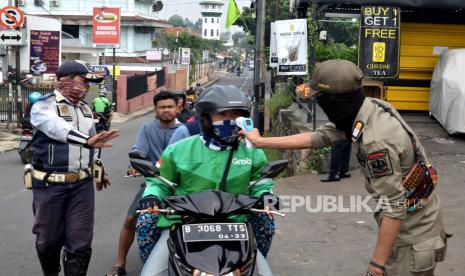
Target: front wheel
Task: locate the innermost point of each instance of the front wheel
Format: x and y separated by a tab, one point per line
26	155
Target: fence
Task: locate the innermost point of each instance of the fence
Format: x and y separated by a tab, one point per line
141	84
13	105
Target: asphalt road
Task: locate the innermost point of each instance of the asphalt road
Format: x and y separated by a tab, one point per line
17	254
305	243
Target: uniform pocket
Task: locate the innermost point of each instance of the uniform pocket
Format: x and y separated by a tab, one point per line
425	254
50	154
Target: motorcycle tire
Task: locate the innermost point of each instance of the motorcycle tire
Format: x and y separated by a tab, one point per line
26	155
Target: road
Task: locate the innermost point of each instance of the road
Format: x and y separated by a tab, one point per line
305	243
18	256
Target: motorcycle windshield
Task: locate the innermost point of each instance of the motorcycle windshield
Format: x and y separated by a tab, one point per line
211	203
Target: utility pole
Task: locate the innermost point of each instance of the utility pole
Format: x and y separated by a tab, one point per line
259	68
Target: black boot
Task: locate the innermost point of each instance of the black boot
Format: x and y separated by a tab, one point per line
50	262
74	265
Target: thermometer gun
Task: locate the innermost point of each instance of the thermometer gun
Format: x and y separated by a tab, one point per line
247	125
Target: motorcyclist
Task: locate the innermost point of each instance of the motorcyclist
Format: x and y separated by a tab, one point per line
102	105
184	114
189	162
32	98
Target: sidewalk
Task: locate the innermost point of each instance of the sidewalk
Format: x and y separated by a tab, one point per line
8	141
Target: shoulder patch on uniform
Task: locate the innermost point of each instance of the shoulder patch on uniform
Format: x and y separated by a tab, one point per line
63	112
86	111
379	163
357	131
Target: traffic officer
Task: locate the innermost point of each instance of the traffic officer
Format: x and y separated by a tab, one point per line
411	238
62	184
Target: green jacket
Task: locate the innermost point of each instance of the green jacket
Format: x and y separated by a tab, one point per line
101	104
195	167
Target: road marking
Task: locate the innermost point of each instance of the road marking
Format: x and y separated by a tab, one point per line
13	195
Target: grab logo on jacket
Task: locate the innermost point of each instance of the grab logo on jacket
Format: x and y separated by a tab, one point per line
237	161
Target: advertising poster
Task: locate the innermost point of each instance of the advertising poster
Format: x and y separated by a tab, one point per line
45	52
273	47
379	42
106	27
185	55
292	46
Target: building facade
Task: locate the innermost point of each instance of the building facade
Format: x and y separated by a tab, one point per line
138	25
211	18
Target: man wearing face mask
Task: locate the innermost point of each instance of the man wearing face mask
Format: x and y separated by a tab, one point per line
192	163
411	238
61	180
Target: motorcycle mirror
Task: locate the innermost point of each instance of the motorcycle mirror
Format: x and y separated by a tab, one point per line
274	168
142	164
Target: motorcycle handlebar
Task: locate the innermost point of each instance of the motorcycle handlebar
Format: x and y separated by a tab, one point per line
171	211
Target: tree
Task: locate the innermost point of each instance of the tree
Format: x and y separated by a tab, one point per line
176	20
248	22
198	26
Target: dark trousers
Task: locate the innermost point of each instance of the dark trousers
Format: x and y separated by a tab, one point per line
340	157
63	216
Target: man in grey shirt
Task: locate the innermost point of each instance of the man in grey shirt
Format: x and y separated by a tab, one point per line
153	138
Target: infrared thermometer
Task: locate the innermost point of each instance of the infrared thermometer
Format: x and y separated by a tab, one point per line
247	125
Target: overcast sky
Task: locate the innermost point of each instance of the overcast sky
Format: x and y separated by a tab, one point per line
191	9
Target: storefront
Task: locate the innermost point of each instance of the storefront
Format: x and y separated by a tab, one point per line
428	27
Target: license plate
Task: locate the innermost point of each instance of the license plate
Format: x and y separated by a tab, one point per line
25	138
215	232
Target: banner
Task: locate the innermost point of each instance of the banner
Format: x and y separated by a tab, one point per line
153	55
292	46
45	52
273	47
106	27
379	42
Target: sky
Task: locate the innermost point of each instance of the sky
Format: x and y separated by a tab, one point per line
191	9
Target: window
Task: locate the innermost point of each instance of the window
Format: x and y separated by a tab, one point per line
217	32
206	20
218	20
211	33
213	20
205	32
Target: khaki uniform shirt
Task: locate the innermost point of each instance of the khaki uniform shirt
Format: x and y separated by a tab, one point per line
386	153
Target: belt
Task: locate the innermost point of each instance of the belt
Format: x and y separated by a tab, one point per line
61	177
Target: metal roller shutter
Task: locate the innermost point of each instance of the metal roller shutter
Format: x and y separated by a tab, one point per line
420	43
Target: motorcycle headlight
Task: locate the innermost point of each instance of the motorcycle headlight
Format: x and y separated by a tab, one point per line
197	272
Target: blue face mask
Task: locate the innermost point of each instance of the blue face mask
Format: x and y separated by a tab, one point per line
226	130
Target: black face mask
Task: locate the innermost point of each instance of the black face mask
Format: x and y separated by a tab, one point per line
341	108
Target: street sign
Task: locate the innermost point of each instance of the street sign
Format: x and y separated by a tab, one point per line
185	56
106	27
11	17
12	37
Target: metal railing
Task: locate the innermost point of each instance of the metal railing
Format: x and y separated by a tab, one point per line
14	102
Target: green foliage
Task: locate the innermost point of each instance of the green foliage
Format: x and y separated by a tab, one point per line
281	99
314	158
247	20
335	50
176	20
343	31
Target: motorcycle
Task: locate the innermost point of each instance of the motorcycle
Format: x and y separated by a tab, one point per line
205	242
25	141
238	72
102	121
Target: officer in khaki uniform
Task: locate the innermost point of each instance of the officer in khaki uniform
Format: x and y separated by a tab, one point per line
411	238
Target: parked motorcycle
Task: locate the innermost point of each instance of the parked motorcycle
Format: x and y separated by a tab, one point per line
206	242
25	141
